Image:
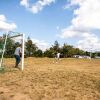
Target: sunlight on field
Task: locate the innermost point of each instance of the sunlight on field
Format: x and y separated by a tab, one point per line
44	79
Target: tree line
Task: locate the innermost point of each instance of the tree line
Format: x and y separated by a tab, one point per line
31	49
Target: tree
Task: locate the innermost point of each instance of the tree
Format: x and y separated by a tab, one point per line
64	50
56	47
49	53
10	48
69	50
38	53
30	47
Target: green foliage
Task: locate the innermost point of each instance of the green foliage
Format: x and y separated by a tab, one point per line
38	53
49	53
10	48
56	47
31	49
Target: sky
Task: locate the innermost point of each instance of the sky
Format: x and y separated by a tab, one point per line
75	22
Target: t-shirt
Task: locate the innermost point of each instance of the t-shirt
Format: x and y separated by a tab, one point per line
58	55
18	51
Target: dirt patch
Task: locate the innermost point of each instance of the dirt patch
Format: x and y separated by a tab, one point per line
8	94
43	79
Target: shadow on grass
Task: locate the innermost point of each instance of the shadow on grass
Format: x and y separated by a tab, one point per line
5	70
2	70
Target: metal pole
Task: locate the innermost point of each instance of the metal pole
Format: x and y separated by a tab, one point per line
23	53
91	53
3	51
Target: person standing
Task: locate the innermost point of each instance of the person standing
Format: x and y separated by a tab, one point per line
58	56
17	54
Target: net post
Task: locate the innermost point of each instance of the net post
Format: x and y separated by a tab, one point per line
3	50
23	47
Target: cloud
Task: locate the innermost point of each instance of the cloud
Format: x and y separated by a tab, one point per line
36	7
70	3
87	15
89	42
69	32
87	18
5	26
24	3
17	39
41	44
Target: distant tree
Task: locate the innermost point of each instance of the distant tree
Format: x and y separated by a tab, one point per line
38	53
49	53
70	50
98	53
1	43
64	50
52	50
56	47
87	53
30	47
9	51
32	50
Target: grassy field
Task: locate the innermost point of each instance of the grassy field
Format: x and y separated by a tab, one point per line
44	79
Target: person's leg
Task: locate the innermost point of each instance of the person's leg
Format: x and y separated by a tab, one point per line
17	60
58	57
16	65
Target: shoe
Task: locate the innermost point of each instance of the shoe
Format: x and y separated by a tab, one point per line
16	66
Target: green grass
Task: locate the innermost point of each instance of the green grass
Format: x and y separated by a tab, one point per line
2	70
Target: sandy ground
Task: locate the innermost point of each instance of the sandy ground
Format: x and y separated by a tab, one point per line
44	79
